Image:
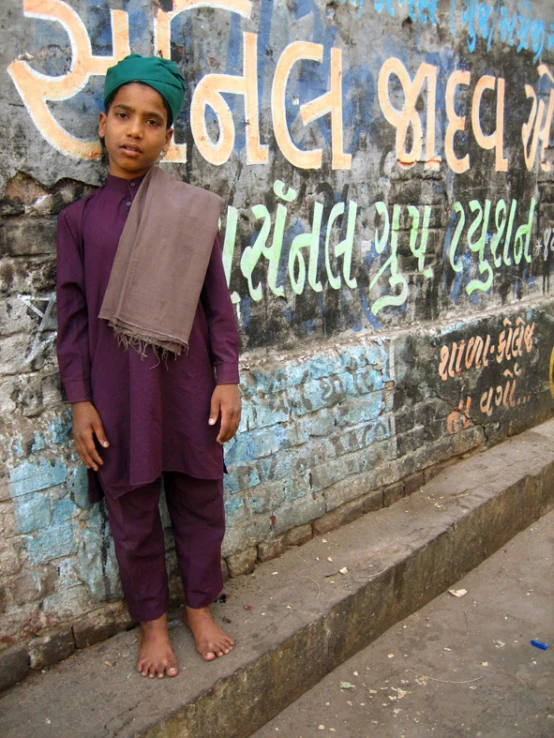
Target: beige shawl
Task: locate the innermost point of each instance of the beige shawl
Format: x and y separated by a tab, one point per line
161	263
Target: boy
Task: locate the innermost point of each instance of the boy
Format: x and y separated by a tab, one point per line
144	323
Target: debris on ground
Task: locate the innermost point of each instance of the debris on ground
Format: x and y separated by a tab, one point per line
458	592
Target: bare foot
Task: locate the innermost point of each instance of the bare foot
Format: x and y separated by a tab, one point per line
156	657
211	641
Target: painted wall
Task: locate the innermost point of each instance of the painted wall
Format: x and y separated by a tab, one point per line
387	173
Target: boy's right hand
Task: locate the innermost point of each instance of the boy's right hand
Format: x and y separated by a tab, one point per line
87	425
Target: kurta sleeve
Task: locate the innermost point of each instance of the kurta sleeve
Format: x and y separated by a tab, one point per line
72	341
220	316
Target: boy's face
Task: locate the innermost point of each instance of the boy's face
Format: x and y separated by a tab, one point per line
134	130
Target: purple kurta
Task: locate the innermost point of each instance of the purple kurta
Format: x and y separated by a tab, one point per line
155	413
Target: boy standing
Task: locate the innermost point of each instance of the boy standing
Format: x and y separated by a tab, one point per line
148	355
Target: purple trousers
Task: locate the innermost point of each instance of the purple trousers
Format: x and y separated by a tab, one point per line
198	522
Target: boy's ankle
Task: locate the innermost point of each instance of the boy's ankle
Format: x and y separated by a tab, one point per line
157	624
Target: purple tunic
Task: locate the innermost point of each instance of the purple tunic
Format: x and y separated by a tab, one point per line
155	413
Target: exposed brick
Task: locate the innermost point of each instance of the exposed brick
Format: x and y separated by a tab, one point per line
8	528
305	510
51	391
245	534
437	219
413	482
34	585
51	647
372	501
271	549
4	491
176	595
267	497
9	560
392	493
30	236
224	570
327	474
121	616
406	193
26	195
11	207
342	515
350	489
14	665
546	192
431	472
23	188
93	628
299	535
242	562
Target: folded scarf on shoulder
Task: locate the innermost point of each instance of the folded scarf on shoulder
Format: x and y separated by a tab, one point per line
160	264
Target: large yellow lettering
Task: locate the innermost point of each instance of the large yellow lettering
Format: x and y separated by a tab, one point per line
330	102
208	93
407	117
538	126
455	122
162	44
496	139
37	89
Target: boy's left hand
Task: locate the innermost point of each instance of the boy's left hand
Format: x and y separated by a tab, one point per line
225	400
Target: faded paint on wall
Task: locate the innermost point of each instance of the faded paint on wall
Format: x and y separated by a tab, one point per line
388	246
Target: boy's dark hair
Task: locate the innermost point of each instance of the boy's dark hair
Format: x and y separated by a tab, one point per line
109	101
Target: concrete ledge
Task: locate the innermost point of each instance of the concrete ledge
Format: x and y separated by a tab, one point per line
304	617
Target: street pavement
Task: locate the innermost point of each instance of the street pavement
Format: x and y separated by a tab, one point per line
464	665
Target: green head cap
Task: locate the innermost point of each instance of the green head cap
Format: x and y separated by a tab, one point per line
162	75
